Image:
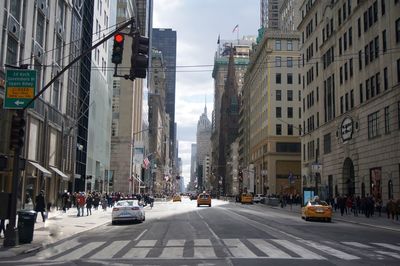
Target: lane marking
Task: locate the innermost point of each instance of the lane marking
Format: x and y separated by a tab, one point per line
176	243
172	253
80	252
141	234
204	253
238	249
389	246
110	250
202	242
299	250
357	245
270	250
146	243
135	253
55	250
331	251
388	253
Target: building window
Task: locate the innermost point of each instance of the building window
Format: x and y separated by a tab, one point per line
290	130
384	46
361	93
387	120
290	78
277	61
341	105
398	114
398	70
351	67
327	143
278	129
289	45
378	83
376	42
278	112
278	78
398	30
278	45
359	60
373	125
350	36
40	27
278	95
383	8
290	112
12	51
290	95
385	78
289	62
359	27
351	99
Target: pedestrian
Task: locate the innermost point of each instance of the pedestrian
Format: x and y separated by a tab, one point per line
104	203
378	206
89	203
40	205
3	227
64	201
391	209
80	203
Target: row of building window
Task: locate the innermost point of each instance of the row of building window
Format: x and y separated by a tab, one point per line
289	129
278	95
278	45
278	61
278	78
289	113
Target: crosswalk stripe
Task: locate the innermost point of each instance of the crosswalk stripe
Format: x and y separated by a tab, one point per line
269	249
110	250
331	251
176	243
302	252
202	242
172	252
357	245
135	253
204	252
389	246
388	253
54	251
146	243
80	252
238	249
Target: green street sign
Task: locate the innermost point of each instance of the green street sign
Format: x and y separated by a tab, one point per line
20	88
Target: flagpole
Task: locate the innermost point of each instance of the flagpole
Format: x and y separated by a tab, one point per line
238	35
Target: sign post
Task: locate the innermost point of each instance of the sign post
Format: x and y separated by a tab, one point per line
20	88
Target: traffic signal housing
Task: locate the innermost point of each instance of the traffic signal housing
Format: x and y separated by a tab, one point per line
17	134
140	57
118	48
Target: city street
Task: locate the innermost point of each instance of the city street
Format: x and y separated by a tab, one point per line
228	233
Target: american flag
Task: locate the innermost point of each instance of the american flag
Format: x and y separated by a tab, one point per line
146	162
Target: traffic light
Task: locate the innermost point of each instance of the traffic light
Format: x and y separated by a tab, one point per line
240	176
118	48
140	57
17	134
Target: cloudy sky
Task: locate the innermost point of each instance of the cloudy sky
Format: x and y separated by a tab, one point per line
198	24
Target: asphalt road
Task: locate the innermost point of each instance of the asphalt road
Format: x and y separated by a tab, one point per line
180	233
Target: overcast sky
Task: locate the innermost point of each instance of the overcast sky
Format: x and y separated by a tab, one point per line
198	24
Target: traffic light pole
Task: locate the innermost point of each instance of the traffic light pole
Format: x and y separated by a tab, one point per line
11	234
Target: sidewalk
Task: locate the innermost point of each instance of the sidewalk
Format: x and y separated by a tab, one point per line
59	225
378	222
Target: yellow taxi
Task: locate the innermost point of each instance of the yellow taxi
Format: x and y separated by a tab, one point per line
176	198
246	198
204	199
317	209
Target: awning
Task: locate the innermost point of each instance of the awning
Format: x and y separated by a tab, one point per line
64	176
41	169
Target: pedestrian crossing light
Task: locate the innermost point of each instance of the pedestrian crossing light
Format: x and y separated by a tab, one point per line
17	130
118	48
140	57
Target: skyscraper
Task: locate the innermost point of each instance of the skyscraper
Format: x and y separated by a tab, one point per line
164	40
269	10
203	145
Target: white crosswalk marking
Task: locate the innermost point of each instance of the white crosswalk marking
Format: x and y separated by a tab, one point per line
80	252
53	251
146	243
331	251
389	246
238	249
392	254
269	249
110	250
204	252
137	253
172	252
302	252
357	245
176	242
202	242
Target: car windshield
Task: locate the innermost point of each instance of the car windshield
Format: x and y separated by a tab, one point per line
322	203
126	203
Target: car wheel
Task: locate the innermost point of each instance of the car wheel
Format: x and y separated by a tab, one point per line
306	218
113	222
198	205
209	205
329	220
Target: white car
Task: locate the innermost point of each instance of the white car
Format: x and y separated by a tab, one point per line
258	198
127	210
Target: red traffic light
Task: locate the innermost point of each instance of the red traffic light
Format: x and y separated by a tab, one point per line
119	38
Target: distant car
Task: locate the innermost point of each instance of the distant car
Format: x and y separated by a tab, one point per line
317	209
193	197
127	210
176	198
204	199
259	198
246	198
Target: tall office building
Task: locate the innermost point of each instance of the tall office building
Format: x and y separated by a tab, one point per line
269	10
351	98
203	143
164	40
193	163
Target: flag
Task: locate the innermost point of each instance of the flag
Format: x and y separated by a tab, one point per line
146	162
218	39
235	28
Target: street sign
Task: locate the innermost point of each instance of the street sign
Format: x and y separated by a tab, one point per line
20	88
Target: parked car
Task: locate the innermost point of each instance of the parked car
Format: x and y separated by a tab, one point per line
204	199
317	209
259	198
127	210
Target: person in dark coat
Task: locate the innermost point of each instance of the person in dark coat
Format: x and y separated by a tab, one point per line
40	205
89	204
